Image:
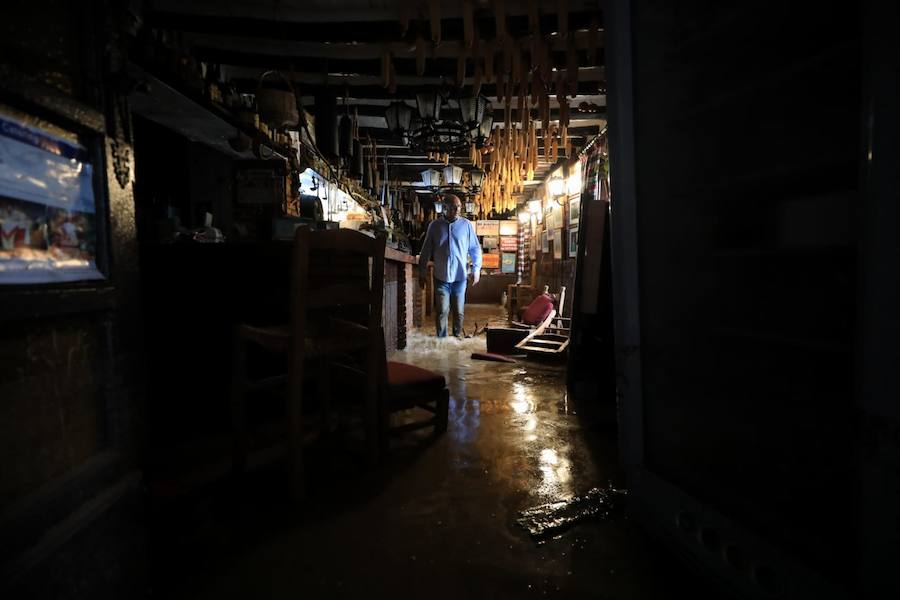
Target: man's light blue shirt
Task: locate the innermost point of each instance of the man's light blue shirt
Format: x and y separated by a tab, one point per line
447	244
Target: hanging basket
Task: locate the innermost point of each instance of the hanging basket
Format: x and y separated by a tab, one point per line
276	106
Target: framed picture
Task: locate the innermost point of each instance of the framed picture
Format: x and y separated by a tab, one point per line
574	209
573	243
490	242
490	261
532	247
509	227
545	242
49	218
557	243
508	262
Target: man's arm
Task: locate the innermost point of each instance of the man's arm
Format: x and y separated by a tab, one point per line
425	254
475	254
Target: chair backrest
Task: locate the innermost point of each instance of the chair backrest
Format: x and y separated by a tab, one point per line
337	269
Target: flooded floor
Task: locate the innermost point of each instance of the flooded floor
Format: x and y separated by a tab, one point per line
442	518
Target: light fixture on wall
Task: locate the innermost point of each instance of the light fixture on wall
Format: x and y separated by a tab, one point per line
556	186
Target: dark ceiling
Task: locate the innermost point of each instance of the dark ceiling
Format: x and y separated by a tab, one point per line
337	48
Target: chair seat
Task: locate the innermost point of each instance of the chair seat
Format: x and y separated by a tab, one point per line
405	376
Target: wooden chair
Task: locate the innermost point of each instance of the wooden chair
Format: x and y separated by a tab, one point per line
337	289
507	339
403	387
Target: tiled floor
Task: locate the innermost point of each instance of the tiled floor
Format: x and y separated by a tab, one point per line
439	519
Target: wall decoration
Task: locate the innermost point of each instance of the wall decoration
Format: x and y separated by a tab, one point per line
574	209
573	243
545	242
47	208
485	227
509	227
509	243
557	243
490	261
490	242
508	262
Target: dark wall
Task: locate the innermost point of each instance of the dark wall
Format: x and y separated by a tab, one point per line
70	382
747	146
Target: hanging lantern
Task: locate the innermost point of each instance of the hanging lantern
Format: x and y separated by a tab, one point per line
452	175
431	178
438	206
477	176
484	128
429	105
471	111
399	117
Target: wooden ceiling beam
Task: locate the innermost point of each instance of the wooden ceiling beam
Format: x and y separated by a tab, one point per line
360	51
592	82
314	24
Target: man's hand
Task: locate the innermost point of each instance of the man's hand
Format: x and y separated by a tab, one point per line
475	277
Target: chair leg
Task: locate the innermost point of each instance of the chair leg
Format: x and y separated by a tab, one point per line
294	411
443	408
238	424
372	411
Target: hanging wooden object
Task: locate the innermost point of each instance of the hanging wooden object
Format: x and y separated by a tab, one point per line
500	20
562	18
404	17
534	21
468	23
572	66
476	80
420	55
434	11
593	41
392	73
385	66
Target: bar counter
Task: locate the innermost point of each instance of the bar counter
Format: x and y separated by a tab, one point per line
195	293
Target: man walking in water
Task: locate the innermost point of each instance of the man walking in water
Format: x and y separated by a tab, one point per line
447	242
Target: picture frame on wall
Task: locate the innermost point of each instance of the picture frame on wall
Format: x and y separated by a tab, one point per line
574	209
557	244
545	242
573	243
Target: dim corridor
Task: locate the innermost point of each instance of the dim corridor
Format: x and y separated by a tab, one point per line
438	520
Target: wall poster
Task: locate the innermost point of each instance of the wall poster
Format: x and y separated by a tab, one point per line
508	262
573	243
47	209
485	227
545	242
490	261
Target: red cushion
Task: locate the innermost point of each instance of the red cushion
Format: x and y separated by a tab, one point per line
538	310
403	374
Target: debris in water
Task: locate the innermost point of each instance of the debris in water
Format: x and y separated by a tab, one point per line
553	518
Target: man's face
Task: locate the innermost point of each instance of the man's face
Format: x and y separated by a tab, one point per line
452	209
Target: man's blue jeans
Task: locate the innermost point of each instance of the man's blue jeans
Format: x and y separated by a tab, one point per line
447	293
